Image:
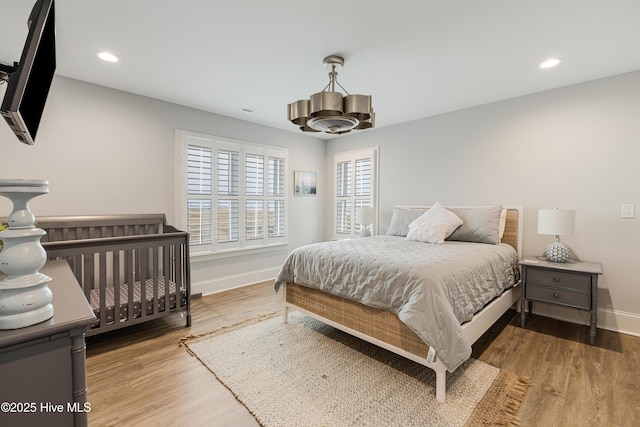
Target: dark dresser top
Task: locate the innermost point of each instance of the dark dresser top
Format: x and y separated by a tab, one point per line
70	308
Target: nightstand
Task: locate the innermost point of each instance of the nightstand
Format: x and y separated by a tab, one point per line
572	284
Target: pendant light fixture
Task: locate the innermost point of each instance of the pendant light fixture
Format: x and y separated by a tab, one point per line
329	111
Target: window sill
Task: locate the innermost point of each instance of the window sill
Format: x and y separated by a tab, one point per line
229	253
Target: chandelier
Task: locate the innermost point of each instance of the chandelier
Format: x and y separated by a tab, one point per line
329	111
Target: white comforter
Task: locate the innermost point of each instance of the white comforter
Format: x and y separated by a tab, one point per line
432	288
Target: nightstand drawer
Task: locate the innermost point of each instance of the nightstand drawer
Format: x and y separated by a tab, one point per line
558	296
562	279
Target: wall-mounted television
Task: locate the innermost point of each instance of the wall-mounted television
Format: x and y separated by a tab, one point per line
29	80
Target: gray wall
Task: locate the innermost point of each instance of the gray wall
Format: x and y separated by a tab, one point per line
576	147
106	151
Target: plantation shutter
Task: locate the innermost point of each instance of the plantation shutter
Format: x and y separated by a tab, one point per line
355	187
254	208
199	192
276	177
228	220
254	175
343	193
363	183
231	194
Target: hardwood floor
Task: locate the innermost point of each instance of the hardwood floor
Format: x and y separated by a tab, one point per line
140	376
574	383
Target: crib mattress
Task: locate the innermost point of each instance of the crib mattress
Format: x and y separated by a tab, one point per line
137	299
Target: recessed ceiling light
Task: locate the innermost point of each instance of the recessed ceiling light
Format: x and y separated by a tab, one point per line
107	56
550	63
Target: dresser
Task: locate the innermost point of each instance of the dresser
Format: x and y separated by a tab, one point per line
42	367
572	284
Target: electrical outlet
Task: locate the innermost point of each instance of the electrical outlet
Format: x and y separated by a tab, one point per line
628	211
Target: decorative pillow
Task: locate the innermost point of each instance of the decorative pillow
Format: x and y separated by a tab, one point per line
503	222
481	224
401	219
434	225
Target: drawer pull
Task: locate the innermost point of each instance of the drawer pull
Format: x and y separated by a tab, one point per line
556	279
556	296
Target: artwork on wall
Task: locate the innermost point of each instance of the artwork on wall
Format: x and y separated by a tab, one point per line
304	183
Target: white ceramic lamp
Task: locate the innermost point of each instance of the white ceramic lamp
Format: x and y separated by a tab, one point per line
556	222
365	216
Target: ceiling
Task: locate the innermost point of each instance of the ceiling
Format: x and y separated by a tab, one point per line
417	58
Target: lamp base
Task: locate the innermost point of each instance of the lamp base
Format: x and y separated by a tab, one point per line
557	252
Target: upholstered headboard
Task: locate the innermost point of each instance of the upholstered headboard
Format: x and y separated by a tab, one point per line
513	228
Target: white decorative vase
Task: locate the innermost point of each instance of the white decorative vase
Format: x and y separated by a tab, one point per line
25	298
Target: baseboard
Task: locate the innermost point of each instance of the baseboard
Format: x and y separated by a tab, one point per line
219	284
619	321
611	320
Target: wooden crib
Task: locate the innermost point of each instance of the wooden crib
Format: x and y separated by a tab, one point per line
132	268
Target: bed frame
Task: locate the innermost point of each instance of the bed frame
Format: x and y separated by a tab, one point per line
132	268
384	329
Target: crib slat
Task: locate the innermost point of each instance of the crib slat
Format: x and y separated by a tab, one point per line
148	274
129	281
116	286
102	286
166	263
157	266
87	279
138	278
77	266
187	277
153	263
150	263
179	279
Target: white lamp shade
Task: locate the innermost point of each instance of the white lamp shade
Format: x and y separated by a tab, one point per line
365	215
556	222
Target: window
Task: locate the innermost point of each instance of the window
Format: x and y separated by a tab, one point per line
356	186
231	193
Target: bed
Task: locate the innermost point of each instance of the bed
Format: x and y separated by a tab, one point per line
339	283
132	268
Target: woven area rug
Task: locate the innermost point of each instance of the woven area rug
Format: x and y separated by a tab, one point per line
305	373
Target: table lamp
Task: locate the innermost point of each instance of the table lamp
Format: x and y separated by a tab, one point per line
365	216
556	222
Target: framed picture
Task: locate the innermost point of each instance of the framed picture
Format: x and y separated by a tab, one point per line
304	183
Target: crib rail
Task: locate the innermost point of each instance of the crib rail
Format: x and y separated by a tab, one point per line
61	228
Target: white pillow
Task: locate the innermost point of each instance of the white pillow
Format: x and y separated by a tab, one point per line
503	222
434	225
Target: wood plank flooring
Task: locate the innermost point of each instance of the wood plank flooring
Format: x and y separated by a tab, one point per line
140	376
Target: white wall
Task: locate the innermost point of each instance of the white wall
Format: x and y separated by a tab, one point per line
105	151
576	147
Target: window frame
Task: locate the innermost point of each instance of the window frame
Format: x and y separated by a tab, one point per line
352	157
185	139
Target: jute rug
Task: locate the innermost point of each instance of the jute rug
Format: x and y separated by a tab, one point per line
305	373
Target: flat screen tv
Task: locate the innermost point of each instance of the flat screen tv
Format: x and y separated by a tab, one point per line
30	79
